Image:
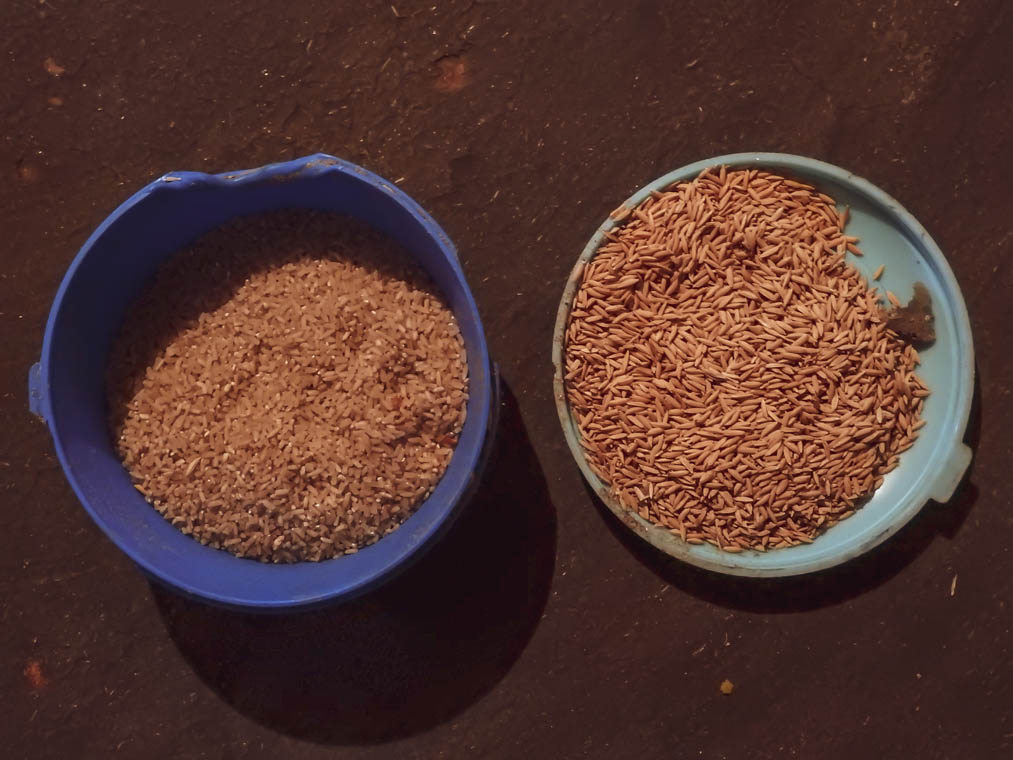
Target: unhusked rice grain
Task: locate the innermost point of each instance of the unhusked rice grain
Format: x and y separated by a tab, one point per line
290	387
732	377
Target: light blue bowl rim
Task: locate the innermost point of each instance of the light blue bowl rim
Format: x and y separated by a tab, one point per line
306	166
947	462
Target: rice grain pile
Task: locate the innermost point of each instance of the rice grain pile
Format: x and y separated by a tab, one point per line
732	377
289	388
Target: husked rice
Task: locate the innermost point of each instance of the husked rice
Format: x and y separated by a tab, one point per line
289	388
732	377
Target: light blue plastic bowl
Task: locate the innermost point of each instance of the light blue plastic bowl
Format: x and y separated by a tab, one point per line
931	469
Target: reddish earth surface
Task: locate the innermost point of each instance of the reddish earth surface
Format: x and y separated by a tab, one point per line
536	628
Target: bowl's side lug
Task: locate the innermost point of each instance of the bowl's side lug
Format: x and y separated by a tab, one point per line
951	473
38	399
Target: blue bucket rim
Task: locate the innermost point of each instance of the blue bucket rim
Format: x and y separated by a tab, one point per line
317	163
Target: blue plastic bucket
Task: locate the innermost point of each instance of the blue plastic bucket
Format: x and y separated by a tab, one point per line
66	387
930	469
